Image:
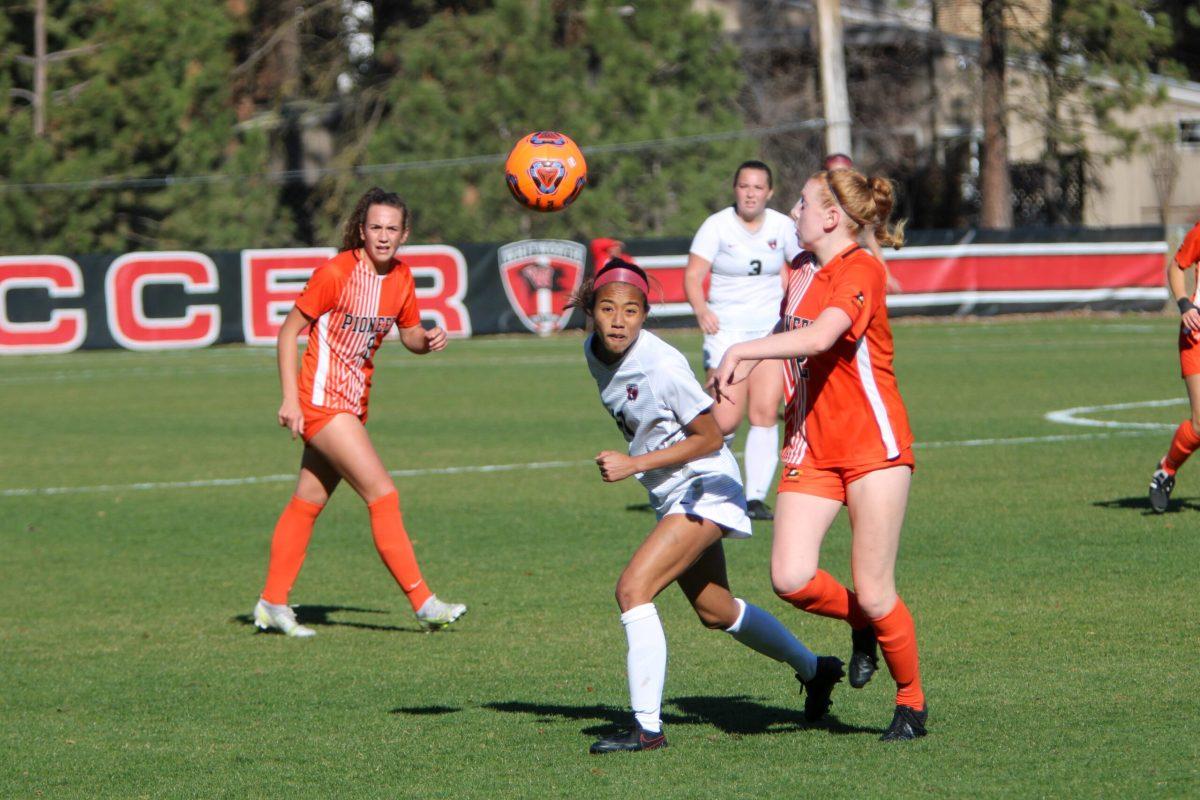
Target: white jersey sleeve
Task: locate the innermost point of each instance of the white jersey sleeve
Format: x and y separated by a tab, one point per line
707	241
676	386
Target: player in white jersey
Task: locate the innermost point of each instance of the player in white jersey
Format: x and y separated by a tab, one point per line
678	453
745	248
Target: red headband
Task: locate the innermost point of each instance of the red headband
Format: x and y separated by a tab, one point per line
622	275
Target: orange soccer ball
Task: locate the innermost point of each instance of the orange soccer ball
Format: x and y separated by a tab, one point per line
545	171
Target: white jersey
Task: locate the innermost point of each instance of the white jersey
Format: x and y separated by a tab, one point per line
746	289
653	394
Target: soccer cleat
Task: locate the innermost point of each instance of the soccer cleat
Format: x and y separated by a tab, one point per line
629	741
863	660
1161	484
907	723
758	510
268	616
435	615
818	691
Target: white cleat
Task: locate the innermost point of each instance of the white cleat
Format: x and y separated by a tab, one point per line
268	616
435	615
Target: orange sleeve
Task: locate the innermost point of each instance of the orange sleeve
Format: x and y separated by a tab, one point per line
1189	252
410	314
858	290
322	290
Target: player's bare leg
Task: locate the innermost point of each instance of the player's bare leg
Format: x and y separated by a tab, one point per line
316	483
706	586
1183	444
762	440
877	503
344	443
673	546
730	408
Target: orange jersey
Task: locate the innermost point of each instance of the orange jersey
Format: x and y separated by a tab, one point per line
1189	251
352	307
843	405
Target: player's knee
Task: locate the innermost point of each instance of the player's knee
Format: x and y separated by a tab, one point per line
787	580
875	600
630	594
377	490
713	619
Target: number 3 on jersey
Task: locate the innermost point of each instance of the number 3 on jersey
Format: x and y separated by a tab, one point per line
756	267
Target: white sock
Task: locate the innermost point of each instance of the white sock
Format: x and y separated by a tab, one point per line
760	631
647	664
761	457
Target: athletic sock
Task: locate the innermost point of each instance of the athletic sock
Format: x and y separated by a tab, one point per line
898	640
761	632
288	546
825	596
391	540
761	457
647	664
1183	444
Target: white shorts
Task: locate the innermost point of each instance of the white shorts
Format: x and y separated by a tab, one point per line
715	344
713	496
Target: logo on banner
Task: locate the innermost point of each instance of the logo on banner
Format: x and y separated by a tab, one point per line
539	276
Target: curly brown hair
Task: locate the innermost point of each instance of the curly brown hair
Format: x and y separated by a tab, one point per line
352	232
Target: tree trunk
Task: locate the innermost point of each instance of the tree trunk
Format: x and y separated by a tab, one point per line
995	185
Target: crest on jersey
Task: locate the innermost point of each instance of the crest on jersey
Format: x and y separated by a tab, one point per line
539	276
772	243
631	391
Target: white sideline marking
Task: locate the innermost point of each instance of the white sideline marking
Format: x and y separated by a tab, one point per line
1070	416
211	482
416	473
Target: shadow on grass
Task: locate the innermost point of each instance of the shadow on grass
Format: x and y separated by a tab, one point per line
733	715
425	711
318	616
1142	503
644	508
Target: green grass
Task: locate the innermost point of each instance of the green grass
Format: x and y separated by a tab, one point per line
1056	616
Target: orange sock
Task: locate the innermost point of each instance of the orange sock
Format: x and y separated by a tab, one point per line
825	596
288	546
391	540
1184	443
898	640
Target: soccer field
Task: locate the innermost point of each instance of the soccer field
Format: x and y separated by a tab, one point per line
1056	615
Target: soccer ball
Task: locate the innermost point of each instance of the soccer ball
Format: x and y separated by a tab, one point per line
545	171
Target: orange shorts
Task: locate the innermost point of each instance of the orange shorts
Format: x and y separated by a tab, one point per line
1189	353
316	418
831	482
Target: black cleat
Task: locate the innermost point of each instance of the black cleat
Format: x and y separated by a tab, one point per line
629	741
907	723
818	691
758	510
863	661
1161	484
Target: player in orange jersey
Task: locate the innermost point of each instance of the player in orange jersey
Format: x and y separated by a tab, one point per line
349	304
848	441
1187	435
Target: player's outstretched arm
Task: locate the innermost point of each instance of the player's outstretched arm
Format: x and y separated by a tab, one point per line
421	341
800	343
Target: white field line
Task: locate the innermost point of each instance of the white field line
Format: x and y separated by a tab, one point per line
417	473
1073	416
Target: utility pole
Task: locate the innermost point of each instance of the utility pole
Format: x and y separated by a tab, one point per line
833	77
39	68
995	185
